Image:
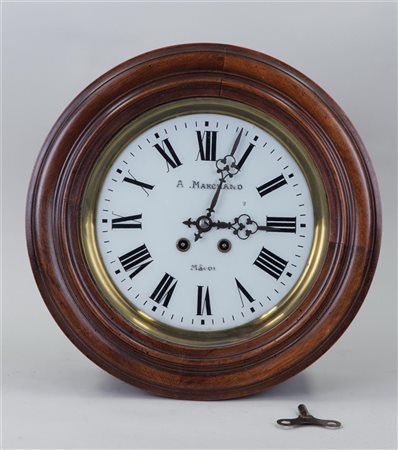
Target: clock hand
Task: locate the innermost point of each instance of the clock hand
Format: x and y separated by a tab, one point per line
219	225
229	163
265	228
204	224
243	226
214	200
236	143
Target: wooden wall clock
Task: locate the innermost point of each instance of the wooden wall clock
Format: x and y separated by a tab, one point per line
203	221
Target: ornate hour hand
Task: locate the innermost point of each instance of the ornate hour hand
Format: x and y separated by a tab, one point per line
243	226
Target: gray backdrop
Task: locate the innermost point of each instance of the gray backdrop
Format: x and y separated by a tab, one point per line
53	397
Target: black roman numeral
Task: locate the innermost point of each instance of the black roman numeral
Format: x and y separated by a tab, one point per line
207	145
137	259
203	302
270	186
127	222
144	186
171	158
163	291
270	263
281	224
243	293
245	156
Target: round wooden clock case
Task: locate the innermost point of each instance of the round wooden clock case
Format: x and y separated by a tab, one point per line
56	203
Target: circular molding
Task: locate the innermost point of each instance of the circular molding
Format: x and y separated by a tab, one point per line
55	202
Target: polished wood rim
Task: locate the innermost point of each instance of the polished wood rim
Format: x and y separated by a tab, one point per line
55	201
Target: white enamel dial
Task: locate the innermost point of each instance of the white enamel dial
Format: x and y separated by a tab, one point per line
167	176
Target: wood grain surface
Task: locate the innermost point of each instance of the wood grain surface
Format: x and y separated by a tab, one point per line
67	158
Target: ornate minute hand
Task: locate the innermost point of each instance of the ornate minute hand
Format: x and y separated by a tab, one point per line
210	209
236	143
226	164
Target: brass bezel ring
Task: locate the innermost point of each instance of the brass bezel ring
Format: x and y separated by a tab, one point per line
140	319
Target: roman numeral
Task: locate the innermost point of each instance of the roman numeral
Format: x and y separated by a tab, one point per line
138	183
270	263
245	156
163	291
137	259
281	224
171	158
203	302
207	145
270	186
127	222
143	186
243	293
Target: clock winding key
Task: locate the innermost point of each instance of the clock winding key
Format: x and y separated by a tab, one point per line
305	418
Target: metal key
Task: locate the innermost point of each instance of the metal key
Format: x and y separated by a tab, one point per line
305	418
